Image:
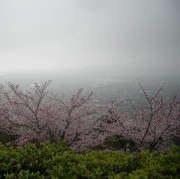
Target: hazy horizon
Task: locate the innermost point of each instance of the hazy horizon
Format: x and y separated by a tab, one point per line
132	36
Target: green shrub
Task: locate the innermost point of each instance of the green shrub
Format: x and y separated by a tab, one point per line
49	160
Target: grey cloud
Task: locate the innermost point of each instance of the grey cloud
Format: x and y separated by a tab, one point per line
134	33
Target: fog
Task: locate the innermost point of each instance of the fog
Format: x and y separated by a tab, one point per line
133	37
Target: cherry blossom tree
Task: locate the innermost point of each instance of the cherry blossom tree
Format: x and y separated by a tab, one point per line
152	127
38	115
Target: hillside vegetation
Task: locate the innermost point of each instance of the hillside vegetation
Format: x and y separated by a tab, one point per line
49	160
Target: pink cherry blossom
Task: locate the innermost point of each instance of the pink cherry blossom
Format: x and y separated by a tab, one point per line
39	115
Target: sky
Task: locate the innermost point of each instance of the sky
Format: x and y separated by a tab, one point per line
131	35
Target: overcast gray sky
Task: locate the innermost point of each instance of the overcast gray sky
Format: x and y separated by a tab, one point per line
59	34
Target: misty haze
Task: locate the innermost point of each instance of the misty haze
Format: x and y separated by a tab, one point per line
96	74
89	43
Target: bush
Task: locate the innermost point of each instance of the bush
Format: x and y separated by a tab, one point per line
48	160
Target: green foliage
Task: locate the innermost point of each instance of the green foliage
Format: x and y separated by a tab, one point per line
5	138
49	160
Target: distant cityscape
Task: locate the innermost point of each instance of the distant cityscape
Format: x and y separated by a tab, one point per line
104	89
